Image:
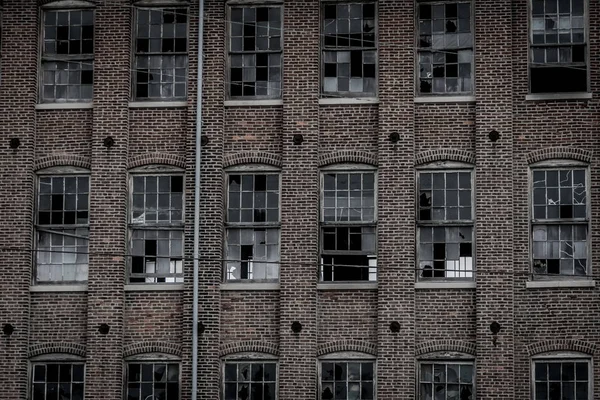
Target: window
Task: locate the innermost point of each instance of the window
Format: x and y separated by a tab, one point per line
445	48
349	47
152	380
156	226
255	380
445	224
348	226
67	55
255	44
345	380
161	54
63	380
562	379
62	228
445	380
560	222
558	59
252	228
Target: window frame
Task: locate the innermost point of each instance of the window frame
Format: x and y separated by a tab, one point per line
151	358
56	359
562	357
323	49
418	49
63	172
348	168
64	6
250	169
530	45
249	358
446	358
346	357
154	171
158	5
556	165
444	167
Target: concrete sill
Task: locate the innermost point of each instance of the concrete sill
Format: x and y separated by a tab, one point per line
445	99
64	106
348	100
153	287
58	288
253	103
558	96
157	104
445	285
347	286
243	286
561	284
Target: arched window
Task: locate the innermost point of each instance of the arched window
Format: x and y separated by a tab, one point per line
347	375
446	375
153	376
561	375
57	375
251	376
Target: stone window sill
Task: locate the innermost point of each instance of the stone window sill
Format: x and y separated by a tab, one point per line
348	100
567	283
253	103
558	96
243	286
63	106
347	286
445	285
153	287
157	104
58	288
444	99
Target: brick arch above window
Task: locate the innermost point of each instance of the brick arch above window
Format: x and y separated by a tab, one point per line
553	153
251	346
62	160
156	158
347	345
574	345
434	155
460	346
348	156
56	348
133	349
67	3
252	157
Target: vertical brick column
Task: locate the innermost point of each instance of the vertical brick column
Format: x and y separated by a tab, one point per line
396	262
494	202
18	68
211	207
299	200
108	201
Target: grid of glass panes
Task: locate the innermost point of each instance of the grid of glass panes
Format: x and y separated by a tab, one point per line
348	232
153	381
558	46
445	48
67	55
157	229
560	222
161	53
64	381
349	49
445	198
347	380
250	381
62	228
561	380
255	52
252	234
446	381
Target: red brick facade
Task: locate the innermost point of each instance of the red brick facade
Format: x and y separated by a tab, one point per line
257	321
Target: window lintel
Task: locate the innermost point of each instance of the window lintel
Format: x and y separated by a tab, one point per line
559	163
67	4
348	167
156	169
57	357
348	355
445	165
144	357
250	356
553	355
446	356
62	170
253	168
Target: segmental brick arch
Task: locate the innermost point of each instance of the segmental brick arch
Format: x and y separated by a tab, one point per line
62	160
56	347
553	153
152	347
460	346
561	345
434	155
156	158
347	345
348	156
254	346
252	157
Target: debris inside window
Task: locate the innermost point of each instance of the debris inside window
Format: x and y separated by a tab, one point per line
250	380
347	380
561	379
153	381
446	380
51	379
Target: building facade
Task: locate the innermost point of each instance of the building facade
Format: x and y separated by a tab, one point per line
397	199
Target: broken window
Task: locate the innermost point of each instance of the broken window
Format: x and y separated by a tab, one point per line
161	54
341	380
252	231
446	380
560	222
153	380
156	229
348	227
445	48
445	225
562	379
558	58
64	380
67	55
349	49
62	229
250	380
255	48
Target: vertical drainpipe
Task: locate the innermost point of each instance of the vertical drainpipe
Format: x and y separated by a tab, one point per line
197	202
